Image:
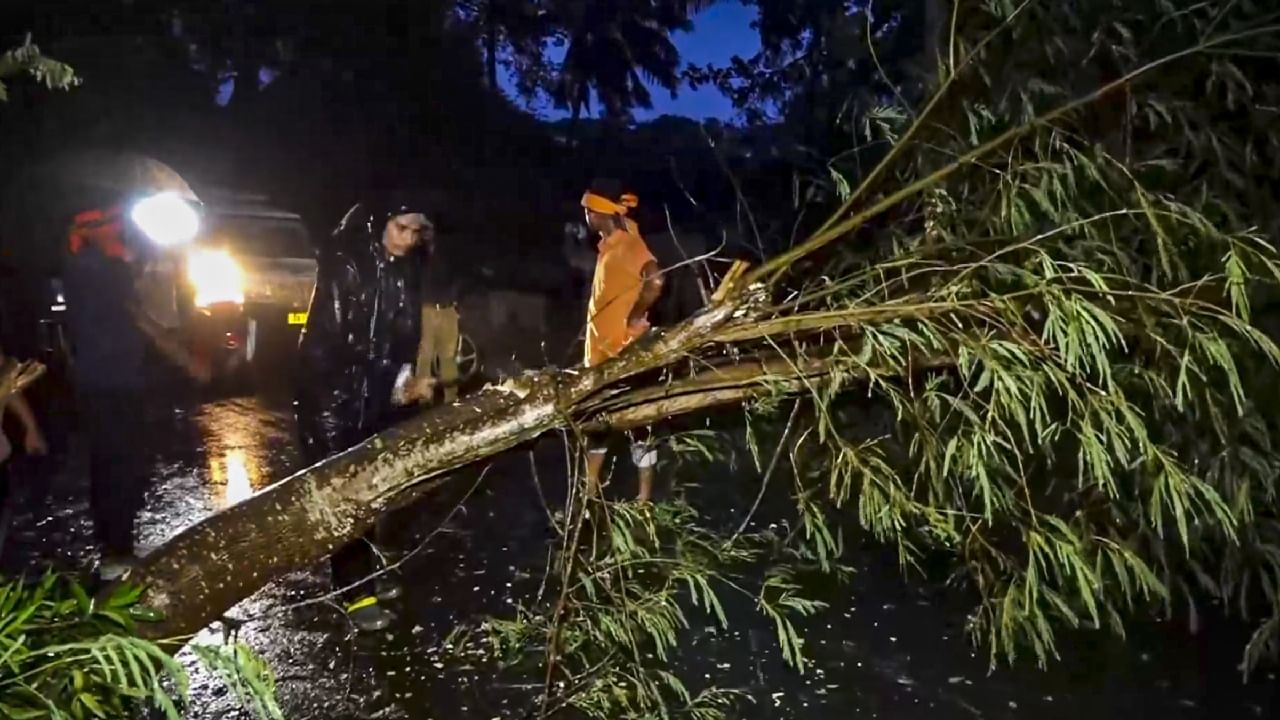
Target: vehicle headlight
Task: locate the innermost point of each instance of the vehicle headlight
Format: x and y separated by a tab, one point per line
216	277
167	219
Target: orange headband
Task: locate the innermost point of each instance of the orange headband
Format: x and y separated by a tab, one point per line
602	204
103	229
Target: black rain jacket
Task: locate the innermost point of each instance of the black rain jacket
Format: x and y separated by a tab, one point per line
363	326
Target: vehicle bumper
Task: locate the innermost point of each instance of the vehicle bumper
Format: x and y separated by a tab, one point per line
233	335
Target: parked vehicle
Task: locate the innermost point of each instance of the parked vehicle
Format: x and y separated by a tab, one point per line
242	290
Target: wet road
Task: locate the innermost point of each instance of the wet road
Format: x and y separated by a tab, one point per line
886	649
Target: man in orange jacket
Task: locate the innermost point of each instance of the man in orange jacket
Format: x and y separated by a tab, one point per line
627	283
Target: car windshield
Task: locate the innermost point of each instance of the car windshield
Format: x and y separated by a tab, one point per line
257	236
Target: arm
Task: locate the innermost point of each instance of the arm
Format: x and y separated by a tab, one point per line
650	291
33	440
325	352
170	347
104	279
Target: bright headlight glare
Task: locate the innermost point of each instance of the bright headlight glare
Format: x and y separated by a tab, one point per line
167	219
215	277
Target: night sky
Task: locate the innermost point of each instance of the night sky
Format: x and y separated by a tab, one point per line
719	33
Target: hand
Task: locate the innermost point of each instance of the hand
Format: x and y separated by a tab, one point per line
34	443
419	390
415	391
637	326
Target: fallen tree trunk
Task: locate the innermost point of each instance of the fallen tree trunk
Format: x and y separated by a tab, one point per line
206	569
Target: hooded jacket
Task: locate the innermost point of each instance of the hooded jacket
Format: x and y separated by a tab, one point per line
364	324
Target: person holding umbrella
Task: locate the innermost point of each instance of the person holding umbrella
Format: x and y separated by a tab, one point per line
110	335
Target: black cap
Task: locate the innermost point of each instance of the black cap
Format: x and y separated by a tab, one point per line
606	187
403	204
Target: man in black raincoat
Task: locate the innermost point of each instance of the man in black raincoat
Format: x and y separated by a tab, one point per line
356	361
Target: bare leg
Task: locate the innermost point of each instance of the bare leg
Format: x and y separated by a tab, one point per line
646	484
645	457
595	466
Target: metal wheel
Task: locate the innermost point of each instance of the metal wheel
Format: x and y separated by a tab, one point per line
467	357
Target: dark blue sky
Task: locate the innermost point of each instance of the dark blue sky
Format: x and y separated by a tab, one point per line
719	33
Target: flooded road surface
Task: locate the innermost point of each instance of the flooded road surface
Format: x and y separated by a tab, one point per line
885	649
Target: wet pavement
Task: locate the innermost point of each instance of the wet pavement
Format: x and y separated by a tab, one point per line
885	649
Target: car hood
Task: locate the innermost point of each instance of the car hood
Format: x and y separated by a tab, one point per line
279	281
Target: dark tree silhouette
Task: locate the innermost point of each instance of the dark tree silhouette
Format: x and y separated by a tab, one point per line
617	49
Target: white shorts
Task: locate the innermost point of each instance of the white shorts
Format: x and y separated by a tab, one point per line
644	451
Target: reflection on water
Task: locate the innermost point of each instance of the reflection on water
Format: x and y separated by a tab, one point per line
236	436
232	474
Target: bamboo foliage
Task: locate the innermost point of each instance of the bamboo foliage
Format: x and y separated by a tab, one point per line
1079	463
1097	445
627	600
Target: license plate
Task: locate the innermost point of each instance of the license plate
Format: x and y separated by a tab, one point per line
298	318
